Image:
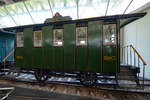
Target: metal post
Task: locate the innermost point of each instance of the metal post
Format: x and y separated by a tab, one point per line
138	66
107	7
124	55
130	56
138	62
28	11
127	55
10	15
143	75
77	9
134	60
127	7
50	7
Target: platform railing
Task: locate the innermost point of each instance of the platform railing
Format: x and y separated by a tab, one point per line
5	61
8	56
131	57
4	52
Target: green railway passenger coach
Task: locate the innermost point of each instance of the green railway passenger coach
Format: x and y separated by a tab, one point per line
75	46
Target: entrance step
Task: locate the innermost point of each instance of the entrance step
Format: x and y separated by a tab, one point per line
128	72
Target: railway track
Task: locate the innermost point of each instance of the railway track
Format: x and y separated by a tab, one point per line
67	80
16	97
71	91
71	86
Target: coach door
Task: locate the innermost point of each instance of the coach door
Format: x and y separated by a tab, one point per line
109	48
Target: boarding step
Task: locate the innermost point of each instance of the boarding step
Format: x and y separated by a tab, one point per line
126	77
128	72
129	68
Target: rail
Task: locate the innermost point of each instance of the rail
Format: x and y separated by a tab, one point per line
131	57
7	59
138	55
8	90
8	56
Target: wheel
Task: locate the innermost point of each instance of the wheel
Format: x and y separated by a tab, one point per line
41	75
88	79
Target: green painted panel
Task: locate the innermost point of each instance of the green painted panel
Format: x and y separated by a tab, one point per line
28	47
37	57
95	46
81	58
58	58
47	46
69	47
110	59
19	57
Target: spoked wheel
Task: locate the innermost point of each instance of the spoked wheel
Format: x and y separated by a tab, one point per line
41	75
88	79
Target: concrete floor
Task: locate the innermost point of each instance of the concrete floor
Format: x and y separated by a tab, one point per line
31	94
27	93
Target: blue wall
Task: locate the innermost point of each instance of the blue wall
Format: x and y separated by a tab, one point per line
6	45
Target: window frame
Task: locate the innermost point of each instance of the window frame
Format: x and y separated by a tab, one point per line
17	40
86	38
54	37
115	34
38	40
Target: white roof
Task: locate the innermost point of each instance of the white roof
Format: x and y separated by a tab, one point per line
36	11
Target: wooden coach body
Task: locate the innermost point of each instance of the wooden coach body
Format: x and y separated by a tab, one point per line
84	45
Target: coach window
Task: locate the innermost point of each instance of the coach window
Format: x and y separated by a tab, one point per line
81	36
109	34
20	39
58	37
38	39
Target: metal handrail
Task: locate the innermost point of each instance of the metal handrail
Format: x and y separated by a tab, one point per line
138	55
130	56
8	56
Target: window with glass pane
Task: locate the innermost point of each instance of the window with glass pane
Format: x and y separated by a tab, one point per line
58	37
81	36
38	39
109	32
20	39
